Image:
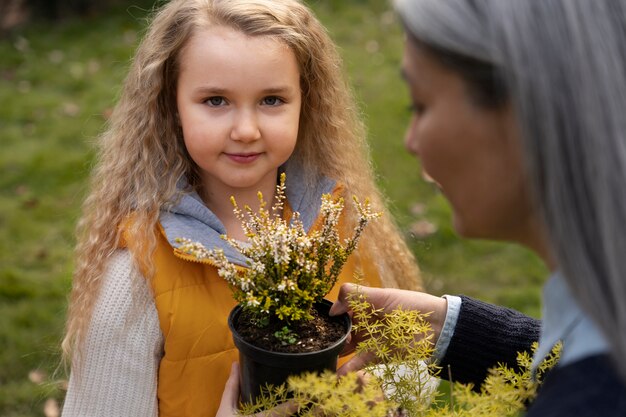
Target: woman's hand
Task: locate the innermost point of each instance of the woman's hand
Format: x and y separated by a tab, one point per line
388	299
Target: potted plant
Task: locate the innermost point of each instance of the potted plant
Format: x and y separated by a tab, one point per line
281	325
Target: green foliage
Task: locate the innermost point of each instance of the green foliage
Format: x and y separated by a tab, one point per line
286	336
58	83
400	382
288	269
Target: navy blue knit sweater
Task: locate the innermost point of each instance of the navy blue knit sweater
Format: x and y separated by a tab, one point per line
486	335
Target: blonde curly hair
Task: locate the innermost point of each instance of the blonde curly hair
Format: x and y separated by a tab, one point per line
142	155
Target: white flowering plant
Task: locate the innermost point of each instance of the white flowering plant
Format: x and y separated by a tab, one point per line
289	270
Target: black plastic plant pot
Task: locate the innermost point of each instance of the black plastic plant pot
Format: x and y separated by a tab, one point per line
259	367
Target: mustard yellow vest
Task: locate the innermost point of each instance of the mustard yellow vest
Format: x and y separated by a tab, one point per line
193	304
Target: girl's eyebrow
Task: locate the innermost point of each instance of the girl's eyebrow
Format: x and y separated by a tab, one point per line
278	90
221	91
210	90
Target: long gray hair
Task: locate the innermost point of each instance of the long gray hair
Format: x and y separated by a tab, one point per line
563	65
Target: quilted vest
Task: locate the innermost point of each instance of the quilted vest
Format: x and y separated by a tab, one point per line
193	304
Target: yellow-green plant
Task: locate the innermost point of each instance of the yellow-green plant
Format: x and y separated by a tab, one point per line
505	392
400	383
288	269
400	342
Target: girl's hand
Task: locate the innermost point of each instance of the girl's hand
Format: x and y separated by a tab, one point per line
387	299
230	400
230	397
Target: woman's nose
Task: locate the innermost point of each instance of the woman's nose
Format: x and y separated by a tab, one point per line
245	127
410	139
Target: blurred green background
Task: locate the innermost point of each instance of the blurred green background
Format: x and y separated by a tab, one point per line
58	82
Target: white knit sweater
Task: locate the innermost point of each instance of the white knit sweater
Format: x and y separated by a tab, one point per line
122	351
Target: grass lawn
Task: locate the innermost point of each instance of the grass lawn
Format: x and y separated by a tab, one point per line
57	84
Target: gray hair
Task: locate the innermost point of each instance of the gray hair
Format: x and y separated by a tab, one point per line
563	63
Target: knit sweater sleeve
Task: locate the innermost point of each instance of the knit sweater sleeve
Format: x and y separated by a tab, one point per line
122	351
486	335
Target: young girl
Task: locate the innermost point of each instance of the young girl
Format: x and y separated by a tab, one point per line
222	96
535	154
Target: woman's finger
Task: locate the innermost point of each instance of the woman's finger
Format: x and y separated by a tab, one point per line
350	346
341	305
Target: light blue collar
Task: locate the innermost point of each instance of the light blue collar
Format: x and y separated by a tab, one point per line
564	321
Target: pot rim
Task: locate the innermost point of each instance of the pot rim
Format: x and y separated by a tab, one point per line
249	347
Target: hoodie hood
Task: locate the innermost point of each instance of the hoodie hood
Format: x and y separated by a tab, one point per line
190	218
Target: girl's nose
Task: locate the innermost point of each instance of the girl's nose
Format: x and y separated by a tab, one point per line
245	127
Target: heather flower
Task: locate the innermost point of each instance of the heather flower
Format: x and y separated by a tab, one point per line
288	269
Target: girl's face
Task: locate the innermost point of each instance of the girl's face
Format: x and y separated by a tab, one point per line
238	101
472	153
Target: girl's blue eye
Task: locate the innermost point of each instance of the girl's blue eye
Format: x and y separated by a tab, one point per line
272	101
216	101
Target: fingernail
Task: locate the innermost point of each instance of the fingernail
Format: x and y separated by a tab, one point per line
332	310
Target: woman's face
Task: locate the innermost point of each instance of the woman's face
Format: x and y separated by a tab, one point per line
471	152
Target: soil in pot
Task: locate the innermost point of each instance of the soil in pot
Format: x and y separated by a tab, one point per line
315	335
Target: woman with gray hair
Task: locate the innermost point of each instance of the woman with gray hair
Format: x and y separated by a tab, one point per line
519	119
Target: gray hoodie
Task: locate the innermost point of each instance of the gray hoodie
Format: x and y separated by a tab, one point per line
189	217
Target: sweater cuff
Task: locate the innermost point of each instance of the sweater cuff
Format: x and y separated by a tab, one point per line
452	315
484	336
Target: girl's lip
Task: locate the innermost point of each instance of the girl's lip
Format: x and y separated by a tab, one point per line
243	158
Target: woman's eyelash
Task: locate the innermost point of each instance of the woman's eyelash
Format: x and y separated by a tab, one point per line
415	108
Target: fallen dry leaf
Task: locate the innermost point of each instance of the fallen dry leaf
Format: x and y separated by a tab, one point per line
422	228
71	109
21	44
22	189
93	66
372	46
388	18
51	408
56	56
30	203
418	209
37	376
23	86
